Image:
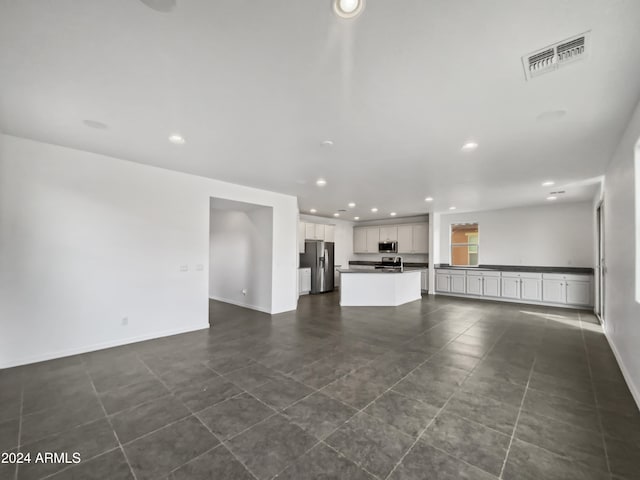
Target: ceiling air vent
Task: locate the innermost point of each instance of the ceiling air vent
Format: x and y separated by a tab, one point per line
556	56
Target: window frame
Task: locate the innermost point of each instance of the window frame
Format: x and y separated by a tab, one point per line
467	244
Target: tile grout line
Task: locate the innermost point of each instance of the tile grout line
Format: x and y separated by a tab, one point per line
194	414
595	397
420	435
69	467
322	440
515	426
386	391
15	474
109	420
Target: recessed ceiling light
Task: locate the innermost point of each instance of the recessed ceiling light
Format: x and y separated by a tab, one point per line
548	183
313	210
176	139
428	199
348	8
321	182
160	5
326	143
351	205
393	214
336	214
452	208
356	218
469	146
551	198
95	124
374	209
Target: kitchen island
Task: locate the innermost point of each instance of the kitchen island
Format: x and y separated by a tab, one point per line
359	288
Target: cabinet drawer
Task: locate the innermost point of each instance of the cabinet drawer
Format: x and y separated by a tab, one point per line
567	276
482	273
537	276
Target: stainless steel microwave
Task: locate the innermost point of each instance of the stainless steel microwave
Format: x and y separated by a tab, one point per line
388	247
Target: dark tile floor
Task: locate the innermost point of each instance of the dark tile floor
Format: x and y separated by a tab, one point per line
441	389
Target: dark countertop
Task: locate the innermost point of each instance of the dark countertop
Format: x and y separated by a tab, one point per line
379	264
378	270
522	268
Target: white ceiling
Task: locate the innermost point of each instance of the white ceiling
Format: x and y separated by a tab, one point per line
255	86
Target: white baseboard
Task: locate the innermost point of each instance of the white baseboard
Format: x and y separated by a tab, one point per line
241	304
635	392
99	346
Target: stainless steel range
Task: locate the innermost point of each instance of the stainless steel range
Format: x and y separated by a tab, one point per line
391	264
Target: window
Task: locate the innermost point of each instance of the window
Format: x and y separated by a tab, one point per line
464	244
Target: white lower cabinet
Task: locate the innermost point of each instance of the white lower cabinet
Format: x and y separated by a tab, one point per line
510	287
442	282
567	289
531	289
474	284
304	281
458	283
491	285
557	289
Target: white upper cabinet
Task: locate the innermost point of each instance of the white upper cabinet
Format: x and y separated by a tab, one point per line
411	238
373	238
405	238
329	233
310	231
420	238
360	240
389	233
316	231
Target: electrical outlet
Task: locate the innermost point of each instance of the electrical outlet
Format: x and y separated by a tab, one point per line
125	321
244	291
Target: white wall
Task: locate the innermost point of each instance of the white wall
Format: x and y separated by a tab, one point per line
560	234
621	309
240	257
87	239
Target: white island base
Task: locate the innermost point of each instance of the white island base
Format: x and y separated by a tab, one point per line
377	288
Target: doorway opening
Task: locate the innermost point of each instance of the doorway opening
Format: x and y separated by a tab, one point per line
601	265
240	257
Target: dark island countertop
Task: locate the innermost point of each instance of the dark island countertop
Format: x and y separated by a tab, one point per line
522	268
379	264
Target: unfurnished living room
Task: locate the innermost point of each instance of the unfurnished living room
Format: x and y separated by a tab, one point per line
320	239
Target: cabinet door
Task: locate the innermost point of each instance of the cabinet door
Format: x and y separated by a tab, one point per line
442	282
329	233
389	234
531	289
458	284
553	291
474	285
424	280
319	232
373	238
491	286
578	293
420	238
360	240
305	280
301	236
405	238
310	231
510	287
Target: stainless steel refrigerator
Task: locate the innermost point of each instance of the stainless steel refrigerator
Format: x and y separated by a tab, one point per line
318	256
